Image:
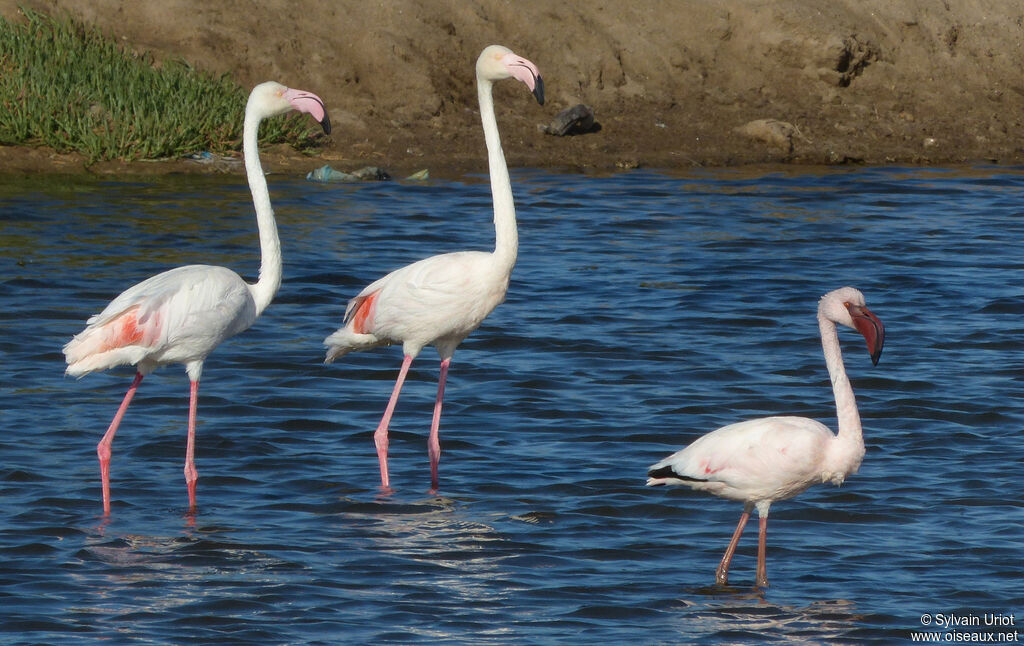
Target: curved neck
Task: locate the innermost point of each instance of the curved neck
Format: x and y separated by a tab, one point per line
506	237
850	430
270	246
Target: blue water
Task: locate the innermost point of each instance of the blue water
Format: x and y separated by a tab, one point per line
645	310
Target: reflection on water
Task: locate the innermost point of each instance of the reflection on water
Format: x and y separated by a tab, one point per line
645	310
744	619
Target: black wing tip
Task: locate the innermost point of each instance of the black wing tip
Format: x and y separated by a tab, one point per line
663	472
668	473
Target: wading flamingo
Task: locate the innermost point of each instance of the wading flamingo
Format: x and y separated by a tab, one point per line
440	300
181	315
773	458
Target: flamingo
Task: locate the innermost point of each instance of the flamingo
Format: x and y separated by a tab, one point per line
773	458
181	315
440	300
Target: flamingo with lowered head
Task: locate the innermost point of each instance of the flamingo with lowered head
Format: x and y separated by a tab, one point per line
773	458
181	315
440	300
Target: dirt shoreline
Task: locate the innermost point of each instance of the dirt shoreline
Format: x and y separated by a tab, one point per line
674	84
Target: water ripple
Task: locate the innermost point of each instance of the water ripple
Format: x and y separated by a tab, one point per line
645	310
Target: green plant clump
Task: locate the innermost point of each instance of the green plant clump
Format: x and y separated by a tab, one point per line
65	85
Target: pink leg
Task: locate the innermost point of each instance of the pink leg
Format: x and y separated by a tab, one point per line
762	549
722	573
191	475
103	448
434	442
380	436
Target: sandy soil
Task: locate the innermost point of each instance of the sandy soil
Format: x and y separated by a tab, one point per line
674	83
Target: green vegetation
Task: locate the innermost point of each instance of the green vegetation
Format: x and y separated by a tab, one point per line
65	85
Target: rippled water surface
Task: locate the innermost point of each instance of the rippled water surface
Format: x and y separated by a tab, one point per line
645	310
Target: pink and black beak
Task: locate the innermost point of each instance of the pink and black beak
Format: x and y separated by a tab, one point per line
311	104
527	72
538	90
325	123
870	327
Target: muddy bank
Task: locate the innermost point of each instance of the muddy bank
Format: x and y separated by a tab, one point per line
673	83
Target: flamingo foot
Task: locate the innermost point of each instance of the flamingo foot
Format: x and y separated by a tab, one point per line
722	573
103	451
435	457
434	441
762	559
191	478
380	436
191	475
380	439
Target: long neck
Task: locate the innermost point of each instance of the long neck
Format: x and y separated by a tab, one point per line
850	438
270	246
506	237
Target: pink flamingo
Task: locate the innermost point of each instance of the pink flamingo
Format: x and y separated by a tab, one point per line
181	315
773	458
440	300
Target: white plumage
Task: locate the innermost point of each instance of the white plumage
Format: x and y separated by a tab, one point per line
440	300
181	315
760	461
178	316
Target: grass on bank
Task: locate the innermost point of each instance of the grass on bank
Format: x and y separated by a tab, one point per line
66	86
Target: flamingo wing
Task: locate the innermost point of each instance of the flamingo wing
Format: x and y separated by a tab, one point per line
434	295
440	299
766	458
453	289
178	315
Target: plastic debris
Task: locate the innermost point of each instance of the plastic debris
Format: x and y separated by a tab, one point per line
219	162
327	174
372	173
419	176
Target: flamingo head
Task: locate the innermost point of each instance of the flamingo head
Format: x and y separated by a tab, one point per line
847	306
272	99
497	63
